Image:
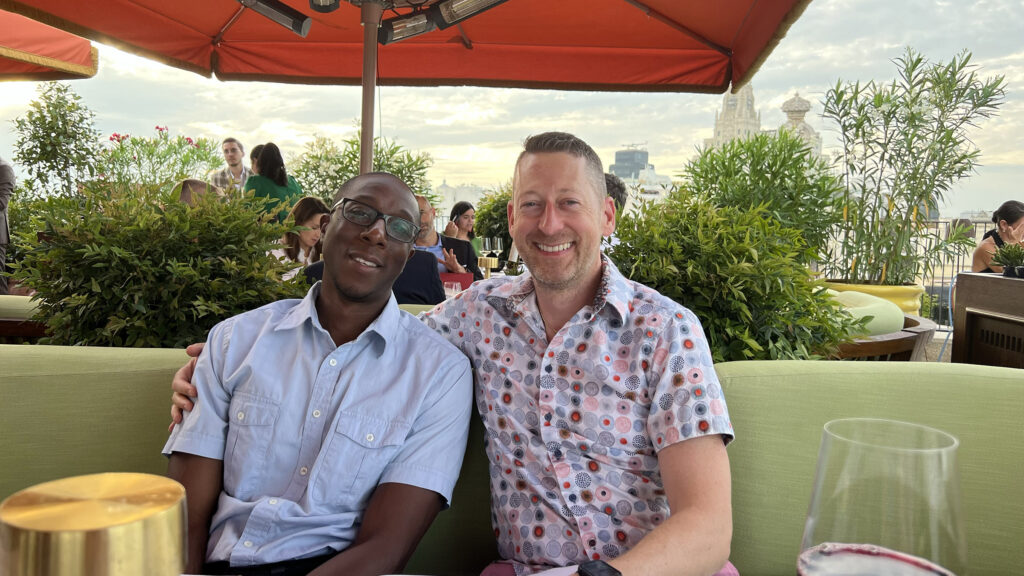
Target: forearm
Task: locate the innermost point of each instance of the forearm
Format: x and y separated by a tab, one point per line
203	480
396	518
688	543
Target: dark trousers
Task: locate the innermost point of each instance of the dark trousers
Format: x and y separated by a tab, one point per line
287	568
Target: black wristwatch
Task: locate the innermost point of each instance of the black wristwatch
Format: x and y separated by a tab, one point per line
597	568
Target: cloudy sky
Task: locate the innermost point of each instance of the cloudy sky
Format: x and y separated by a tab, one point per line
474	134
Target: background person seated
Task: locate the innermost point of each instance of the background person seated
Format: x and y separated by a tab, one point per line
303	247
1009	221
453	255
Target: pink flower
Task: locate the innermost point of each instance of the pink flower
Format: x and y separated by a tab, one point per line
161	128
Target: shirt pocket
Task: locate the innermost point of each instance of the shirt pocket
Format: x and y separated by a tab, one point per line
359	450
250	432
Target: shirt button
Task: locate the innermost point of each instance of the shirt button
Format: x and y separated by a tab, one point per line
316	413
369	437
241	415
273	501
247	543
303	471
333	362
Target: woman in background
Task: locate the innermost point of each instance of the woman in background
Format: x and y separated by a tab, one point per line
303	246
254	158
1009	221
273	182
462	219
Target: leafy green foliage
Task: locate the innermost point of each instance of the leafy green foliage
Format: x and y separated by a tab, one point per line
1008	255
739	270
25	216
56	143
492	216
160	161
324	166
904	145
123	266
778	172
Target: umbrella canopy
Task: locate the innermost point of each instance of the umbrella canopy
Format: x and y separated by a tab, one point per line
33	51
626	45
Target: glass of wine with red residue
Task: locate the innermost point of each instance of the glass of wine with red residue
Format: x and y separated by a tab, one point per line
886	500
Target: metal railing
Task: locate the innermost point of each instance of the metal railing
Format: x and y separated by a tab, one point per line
936	284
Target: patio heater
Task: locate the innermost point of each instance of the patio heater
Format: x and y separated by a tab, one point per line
422	17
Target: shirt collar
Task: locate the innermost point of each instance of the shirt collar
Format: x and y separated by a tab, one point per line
614	292
384	329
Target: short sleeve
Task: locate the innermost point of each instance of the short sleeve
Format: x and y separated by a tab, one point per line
203	430
687	399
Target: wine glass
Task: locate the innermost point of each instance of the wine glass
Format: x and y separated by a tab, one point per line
486	243
496	246
886	500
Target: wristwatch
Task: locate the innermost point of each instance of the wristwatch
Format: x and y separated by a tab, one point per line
597	568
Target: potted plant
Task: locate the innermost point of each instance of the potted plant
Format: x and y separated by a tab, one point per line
1011	258
903	146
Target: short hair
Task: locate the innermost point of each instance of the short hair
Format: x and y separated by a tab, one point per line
272	164
460	208
566	143
235	140
616	189
1011	211
343	189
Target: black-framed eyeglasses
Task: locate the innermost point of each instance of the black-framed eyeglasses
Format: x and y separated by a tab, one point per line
396	227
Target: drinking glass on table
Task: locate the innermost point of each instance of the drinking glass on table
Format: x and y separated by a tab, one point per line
451	289
485	243
886	501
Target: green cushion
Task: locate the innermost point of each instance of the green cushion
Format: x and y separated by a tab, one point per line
886	317
415	309
17	307
778	409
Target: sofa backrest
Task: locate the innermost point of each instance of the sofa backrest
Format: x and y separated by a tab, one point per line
778	410
66	411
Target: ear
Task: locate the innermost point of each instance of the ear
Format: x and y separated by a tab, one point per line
608	216
511	215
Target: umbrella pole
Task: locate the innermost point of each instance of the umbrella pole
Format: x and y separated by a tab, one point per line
371	13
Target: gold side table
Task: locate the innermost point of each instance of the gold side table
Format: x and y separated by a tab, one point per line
116	524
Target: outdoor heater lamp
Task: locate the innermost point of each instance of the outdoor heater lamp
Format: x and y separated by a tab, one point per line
324	5
282	14
441	15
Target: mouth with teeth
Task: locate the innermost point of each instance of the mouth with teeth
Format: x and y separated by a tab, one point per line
552	248
365	262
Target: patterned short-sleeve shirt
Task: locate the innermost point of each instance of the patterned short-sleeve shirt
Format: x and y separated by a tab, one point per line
574	425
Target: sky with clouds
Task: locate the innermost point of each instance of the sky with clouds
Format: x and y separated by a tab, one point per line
474	134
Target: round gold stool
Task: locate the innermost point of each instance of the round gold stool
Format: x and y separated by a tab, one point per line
116	524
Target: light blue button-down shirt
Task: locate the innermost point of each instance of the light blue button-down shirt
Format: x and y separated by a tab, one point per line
438	251
307	430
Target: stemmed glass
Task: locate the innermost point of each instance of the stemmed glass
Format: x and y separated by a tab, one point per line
496	246
486	242
886	500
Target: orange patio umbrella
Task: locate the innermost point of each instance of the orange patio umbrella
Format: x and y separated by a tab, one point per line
33	51
622	45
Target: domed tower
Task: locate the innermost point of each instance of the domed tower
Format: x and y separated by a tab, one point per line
795	109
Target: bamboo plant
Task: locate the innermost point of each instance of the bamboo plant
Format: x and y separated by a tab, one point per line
903	146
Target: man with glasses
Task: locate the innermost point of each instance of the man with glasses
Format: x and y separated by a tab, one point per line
329	431
452	254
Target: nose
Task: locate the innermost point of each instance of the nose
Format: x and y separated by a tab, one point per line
376	232
550	220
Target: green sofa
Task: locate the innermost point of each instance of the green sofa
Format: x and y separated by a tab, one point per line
69	411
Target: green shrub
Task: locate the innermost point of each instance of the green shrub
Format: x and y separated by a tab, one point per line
492	216
57	143
738	270
324	166
160	161
132	267
777	171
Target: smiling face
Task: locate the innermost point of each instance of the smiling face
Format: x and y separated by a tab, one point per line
557	219
362	262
